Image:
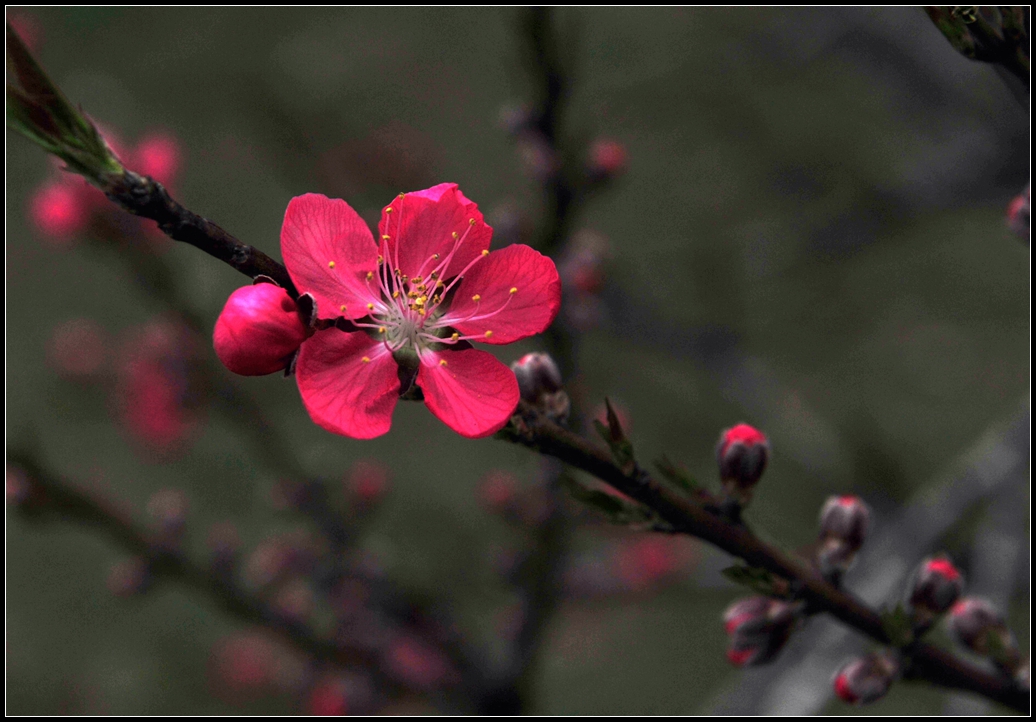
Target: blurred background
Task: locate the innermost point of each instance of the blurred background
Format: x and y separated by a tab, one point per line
805	231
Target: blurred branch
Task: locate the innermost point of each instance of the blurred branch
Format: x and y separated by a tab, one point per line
530	428
990	34
50	498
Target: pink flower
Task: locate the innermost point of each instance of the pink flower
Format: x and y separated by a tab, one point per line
419	294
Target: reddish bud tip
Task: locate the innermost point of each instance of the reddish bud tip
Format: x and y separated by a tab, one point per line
59	211
258	330
974	621
867	679
1018	213
608	158
759	625
742	453
844	521
537	375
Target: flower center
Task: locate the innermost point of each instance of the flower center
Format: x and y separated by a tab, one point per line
410	312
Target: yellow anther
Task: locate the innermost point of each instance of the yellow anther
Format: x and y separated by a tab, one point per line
342	308
384	237
370	275
442	362
389	209
381	329
330	264
476	298
485	253
416	279
455	336
471	221
454	234
514	289
380	259
370	306
421	311
420	301
488	334
402	194
366	360
440	284
435	256
395	294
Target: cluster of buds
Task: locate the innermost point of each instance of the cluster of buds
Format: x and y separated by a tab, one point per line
867	679
65	206
844	521
581	266
1018	215
260	329
758	628
742	453
933	589
539	383
977	625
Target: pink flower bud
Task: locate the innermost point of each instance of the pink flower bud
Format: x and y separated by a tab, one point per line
758	628
1018	214
935	586
844	521
742	453
258	330
158	155
867	679
608	158
59	211
537	375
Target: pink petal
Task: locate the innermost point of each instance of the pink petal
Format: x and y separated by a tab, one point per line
527	311
470	391
348	383
422	224
329	251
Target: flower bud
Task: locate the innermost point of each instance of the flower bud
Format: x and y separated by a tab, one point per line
758	628
978	626
368	481
158	155
130	577
934	588
844	521
537	375
1018	215
608	159
258	330
867	679
498	491
742	453
168	511
59	212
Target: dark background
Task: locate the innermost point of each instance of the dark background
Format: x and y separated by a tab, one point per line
810	237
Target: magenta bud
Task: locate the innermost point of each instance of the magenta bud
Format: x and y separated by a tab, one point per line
258	330
742	453
844	521
867	679
758	628
537	375
935	586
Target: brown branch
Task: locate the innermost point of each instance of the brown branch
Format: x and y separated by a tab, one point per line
531	429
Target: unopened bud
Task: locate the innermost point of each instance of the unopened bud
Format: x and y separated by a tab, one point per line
867	679
742	453
978	626
608	159
844	521
758	628
934	588
168	511
1018	215
258	330
537	375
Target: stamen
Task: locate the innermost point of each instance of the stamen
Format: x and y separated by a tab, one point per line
514	289
330	264
476	298
370	306
442	362
366	360
342	308
488	334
